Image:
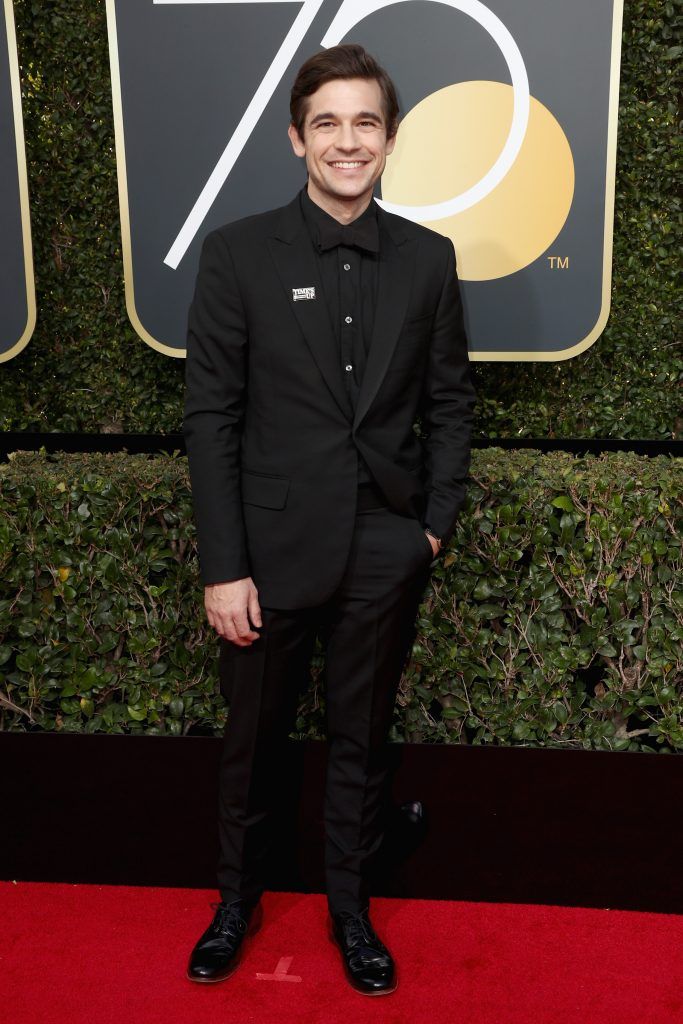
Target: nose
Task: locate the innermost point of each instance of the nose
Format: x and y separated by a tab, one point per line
347	140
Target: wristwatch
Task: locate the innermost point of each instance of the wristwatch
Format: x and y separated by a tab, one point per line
428	529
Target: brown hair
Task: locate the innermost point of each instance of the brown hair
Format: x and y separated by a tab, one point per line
346	61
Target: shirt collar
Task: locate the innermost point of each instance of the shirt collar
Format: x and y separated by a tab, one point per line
320	222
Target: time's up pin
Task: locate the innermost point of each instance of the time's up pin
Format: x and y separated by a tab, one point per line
302	294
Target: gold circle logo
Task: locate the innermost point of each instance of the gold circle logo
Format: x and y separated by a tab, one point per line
446	144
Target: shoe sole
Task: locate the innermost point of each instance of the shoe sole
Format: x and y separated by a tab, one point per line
351	980
254	925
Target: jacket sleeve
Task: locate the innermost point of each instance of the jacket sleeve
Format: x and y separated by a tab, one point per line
215	399
447	408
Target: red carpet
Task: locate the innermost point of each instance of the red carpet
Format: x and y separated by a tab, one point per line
89	954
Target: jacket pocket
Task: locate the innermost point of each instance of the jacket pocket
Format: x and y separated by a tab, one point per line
266	491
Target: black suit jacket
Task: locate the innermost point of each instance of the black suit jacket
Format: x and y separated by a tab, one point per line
272	439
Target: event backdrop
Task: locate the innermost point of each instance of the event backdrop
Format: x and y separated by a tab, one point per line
507	145
17	290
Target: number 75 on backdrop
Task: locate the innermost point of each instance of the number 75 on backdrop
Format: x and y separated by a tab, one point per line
507	144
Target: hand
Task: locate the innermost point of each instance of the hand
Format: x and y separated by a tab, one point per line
227	605
434	543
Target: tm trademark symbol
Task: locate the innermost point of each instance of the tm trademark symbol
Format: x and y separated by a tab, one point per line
558	262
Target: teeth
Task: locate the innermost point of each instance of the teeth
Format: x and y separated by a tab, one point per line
355	163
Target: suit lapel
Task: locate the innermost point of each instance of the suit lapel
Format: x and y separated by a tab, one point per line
297	267
395	277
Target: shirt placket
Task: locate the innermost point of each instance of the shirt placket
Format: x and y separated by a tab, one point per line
349	297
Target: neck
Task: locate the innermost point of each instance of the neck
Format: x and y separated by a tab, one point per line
342	209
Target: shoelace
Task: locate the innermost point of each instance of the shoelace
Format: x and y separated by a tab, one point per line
368	948
228	920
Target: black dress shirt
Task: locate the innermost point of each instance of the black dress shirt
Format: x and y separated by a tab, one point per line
349	277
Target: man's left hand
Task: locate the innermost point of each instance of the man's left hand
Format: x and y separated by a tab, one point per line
435	546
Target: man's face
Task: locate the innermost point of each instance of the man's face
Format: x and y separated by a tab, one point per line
344	141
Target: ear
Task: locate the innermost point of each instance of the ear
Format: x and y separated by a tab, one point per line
391	143
296	140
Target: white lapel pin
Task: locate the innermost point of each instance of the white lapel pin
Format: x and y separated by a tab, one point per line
301	294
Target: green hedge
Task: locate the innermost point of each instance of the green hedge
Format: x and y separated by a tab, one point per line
553	619
86	370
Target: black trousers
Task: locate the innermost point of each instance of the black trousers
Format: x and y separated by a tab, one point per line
367	628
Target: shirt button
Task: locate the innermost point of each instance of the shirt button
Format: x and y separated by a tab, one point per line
348	319
348	366
347	266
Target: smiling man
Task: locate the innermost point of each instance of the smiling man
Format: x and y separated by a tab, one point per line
319	335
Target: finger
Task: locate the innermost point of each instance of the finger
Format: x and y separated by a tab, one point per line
255	610
224	624
242	626
228	629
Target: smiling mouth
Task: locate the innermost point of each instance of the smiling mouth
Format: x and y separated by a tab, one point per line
347	165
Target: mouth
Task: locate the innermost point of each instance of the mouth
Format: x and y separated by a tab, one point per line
347	165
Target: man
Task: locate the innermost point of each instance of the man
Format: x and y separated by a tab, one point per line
318	334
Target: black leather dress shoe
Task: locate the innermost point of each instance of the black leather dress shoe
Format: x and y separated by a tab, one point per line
368	964
218	951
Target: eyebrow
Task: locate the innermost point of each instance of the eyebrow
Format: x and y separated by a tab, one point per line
362	113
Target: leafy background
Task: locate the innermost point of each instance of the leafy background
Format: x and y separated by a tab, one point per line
85	370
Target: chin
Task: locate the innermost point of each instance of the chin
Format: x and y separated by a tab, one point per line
351	189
